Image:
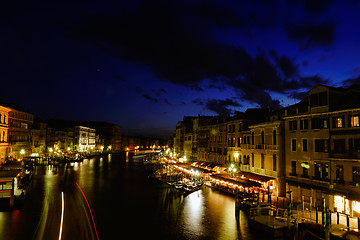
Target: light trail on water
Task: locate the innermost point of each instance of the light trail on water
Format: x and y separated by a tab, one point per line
42	214
92	217
62	214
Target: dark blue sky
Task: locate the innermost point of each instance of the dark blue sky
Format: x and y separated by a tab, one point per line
146	64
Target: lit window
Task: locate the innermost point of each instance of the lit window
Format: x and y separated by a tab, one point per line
339	203
355	121
339	123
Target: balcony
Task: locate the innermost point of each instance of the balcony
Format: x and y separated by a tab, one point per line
346	155
245	168
262	171
264	147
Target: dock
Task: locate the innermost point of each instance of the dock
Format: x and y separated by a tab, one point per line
274	223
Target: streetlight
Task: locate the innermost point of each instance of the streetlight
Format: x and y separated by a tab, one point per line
22	152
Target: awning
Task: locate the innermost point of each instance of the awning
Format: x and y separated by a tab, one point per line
237	181
256	177
8	175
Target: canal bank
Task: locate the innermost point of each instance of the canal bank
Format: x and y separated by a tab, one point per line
123	202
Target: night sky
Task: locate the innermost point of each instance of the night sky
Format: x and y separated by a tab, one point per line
146	64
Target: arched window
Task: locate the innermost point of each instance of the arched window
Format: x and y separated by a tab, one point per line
262	161
274	137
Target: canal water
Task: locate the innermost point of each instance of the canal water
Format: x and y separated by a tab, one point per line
123	202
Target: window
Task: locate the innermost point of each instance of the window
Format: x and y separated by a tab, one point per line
356	176
354	121
321	145
339	173
317	171
292	125
274	137
293	168
293	145
304	124
252	160
321	171
354	145
305	167
319	123
240	127
339	145
238	142
252	138
325	172
274	162
262	161
304	145
262	137
318	99
338	122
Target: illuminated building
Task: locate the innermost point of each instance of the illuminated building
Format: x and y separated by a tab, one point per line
322	148
20	124
84	139
4	133
108	134
38	139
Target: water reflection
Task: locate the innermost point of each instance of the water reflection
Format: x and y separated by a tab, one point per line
118	189
193	214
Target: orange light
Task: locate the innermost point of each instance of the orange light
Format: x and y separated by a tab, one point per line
18	175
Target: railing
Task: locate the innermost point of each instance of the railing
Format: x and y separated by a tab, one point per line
262	171
346	155
245	168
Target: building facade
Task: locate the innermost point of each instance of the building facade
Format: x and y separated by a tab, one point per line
4	133
20	125
323	149
84	139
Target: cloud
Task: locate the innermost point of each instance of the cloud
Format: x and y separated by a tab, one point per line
150	98
311	35
298	95
317	6
163	36
167	102
218	106
351	81
121	78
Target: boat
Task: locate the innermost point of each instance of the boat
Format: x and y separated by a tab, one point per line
75	157
192	187
179	185
246	204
